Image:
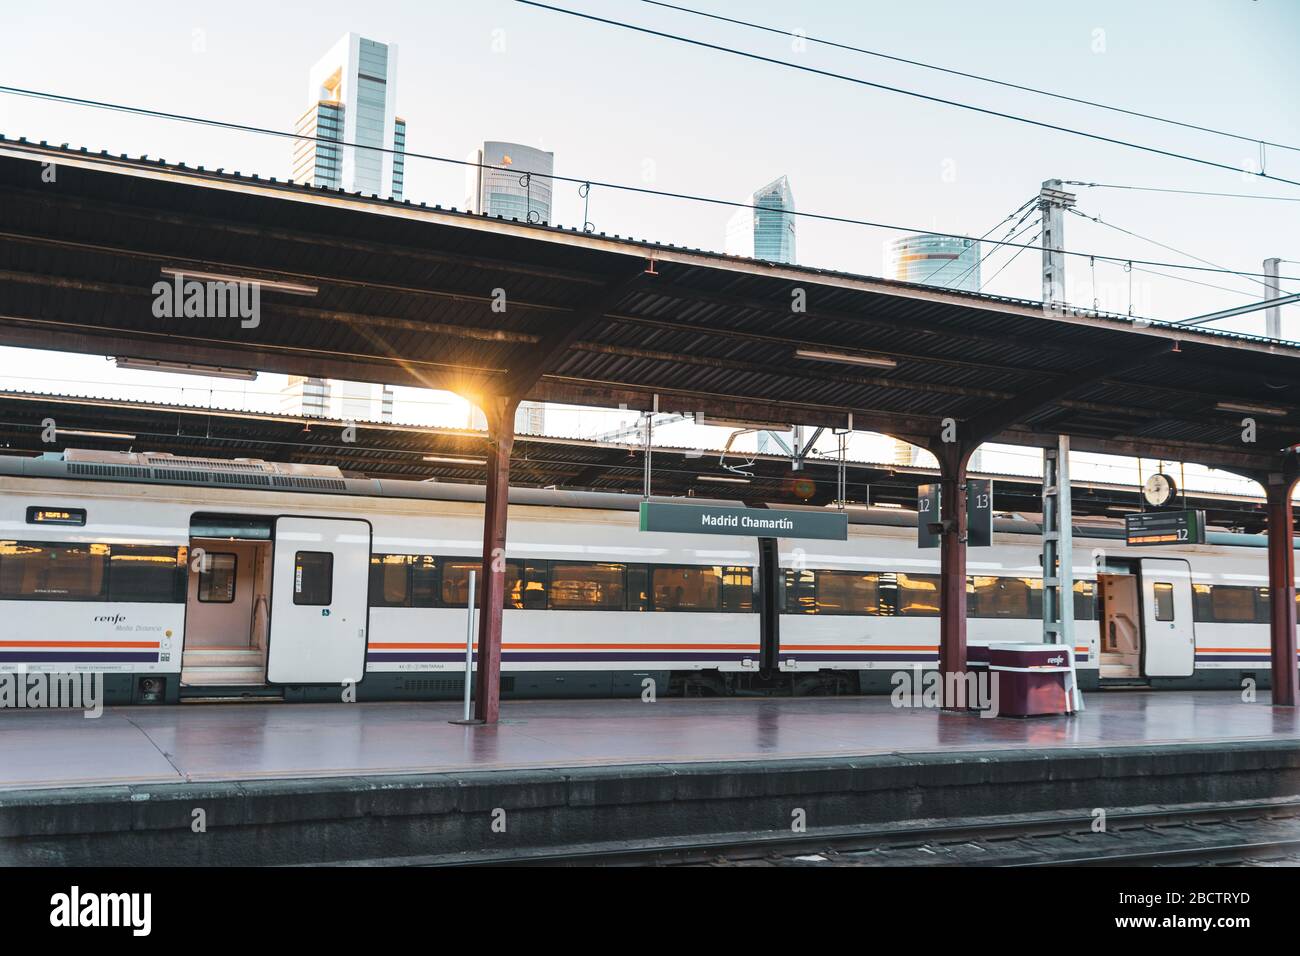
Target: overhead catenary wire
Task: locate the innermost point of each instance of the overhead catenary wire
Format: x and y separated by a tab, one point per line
830	74
1183	192
1012	234
572	180
1208	285
1012	215
970	76
1154	242
989	281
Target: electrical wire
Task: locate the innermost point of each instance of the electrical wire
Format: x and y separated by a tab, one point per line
719	48
1154	242
969	76
990	279
1014	233
986	234
981	238
1208	285
554	178
1184	192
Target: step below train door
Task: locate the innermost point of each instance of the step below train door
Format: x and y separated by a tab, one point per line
319	601
1169	638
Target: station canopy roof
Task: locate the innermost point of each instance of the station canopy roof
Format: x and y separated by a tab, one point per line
423	453
406	294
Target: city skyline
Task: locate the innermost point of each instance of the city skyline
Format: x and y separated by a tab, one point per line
943	170
968	179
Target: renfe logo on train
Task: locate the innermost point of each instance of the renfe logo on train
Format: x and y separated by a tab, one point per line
760	522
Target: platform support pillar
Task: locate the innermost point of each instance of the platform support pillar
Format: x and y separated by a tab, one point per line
953	459
1058	546
1281	588
500	414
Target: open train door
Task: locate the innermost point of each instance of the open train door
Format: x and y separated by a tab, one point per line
319	601
1168	637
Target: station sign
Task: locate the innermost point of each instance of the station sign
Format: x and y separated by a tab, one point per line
979	514
754	522
1149	528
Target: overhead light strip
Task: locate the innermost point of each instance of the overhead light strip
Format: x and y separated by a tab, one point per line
847	358
266	285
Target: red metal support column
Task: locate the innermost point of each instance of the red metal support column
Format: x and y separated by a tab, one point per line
1281	589
953	458
500	414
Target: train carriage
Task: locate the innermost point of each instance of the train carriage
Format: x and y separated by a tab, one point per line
195	578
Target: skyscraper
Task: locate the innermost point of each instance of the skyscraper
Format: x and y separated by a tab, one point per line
353	95
510	180
766	232
331	398
934	260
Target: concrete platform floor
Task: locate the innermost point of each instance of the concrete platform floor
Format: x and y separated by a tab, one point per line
252	741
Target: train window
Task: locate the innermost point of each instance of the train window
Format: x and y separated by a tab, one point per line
526	585
918	595
738	589
989	596
455	582
1201	610
801	592
144	574
1263	611
686	589
390	580
424	581
35	571
1232	605
638	587
848	592
593	586
1085	601
313	578
217	576
1164	595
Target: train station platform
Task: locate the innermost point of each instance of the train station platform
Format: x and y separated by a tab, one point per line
303	783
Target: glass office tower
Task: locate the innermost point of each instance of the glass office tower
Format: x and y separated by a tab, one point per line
768	231
353	92
510	180
934	260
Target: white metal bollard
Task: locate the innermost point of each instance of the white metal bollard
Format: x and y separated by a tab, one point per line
469	643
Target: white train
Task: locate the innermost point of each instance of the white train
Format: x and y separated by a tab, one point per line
203	578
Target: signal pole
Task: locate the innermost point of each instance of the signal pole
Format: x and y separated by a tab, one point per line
1057	540
1052	203
1273	317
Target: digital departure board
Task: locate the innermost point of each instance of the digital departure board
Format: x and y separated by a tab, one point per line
70	516
1149	528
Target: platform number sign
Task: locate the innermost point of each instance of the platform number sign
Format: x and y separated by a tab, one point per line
927	513
979	514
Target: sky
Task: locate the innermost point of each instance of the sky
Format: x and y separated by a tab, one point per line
617	106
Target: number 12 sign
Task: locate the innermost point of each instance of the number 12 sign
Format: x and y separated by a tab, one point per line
979	514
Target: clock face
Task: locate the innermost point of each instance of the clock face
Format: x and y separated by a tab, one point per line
1159	490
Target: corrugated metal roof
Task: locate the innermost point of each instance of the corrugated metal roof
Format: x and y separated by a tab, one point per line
406	296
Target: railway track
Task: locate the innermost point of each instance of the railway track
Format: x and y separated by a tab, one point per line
1259	832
